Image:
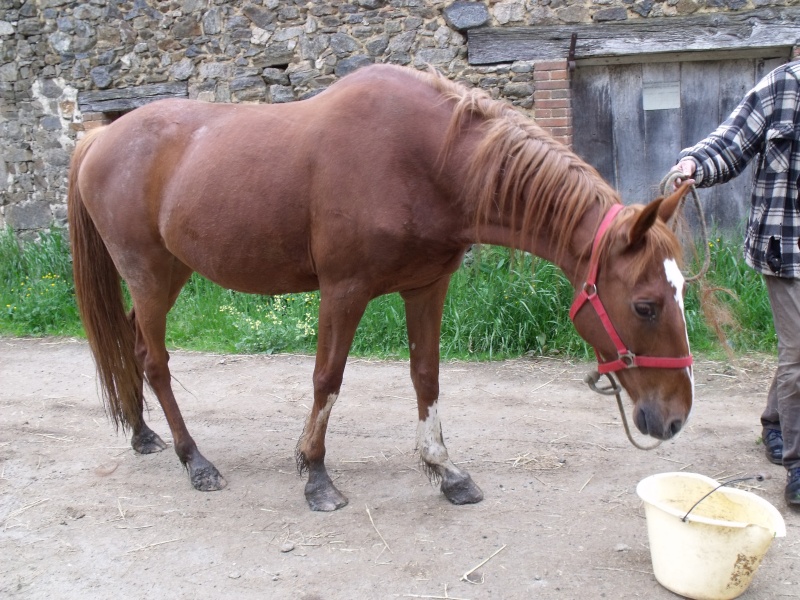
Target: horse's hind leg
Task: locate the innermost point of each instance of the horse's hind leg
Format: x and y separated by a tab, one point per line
153	295
144	440
423	319
339	313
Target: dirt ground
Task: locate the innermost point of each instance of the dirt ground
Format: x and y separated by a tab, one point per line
82	516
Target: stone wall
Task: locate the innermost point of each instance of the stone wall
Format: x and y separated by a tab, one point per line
53	53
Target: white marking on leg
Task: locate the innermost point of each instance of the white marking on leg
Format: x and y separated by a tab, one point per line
676	280
322	416
430	442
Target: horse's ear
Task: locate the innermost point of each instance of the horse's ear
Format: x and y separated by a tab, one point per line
661	208
671	203
643	222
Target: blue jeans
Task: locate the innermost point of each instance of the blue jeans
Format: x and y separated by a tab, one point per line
783	399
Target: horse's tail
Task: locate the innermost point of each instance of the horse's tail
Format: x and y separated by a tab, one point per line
98	290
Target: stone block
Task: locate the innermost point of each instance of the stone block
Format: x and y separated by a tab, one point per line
275	76
101	77
183	69
288	33
508	12
377	46
186	27
9	72
353	63
59	214
312	47
56	157
572	14
29	215
29	27
215	70
617	13
50	123
434	56
281	93
643	7
342	44
402	42
280	53
462	15
259	15
240	84
15	155
301	75
518	90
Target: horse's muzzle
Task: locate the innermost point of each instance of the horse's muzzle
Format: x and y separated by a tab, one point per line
650	421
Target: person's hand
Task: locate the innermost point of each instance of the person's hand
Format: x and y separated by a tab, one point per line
687	167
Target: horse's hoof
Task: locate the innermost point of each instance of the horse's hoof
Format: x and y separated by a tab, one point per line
325	499
207	479
147	441
460	489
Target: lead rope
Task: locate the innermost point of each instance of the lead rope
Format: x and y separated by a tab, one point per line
668	183
614	389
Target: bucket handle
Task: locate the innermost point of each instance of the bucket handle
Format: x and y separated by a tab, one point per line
757	477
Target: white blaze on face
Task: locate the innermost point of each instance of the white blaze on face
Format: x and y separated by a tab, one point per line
676	280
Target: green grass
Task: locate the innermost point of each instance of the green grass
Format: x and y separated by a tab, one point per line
37	296
741	294
496	308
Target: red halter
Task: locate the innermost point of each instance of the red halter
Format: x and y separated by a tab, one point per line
625	358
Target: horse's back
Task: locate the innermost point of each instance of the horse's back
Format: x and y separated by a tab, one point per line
276	190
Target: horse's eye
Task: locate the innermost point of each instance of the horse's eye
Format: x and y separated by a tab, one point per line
646	310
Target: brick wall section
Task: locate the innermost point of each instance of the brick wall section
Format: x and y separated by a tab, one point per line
90	121
551	99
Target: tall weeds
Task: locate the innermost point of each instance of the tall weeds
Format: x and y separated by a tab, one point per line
496	308
37	296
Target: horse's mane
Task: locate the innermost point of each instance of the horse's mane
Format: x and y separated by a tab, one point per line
516	159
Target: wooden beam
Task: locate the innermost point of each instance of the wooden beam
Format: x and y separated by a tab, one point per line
763	30
124	99
783	52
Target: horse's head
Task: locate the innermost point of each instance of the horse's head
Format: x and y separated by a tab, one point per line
637	282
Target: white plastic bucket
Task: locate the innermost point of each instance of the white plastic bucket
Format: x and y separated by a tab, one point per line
715	552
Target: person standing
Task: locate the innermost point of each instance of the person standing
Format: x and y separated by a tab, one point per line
765	127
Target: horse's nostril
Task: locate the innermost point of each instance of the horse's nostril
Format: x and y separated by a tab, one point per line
650	422
640	419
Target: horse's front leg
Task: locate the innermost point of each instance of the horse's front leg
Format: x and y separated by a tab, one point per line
424	318
339	314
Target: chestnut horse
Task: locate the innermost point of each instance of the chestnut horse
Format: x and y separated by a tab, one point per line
377	185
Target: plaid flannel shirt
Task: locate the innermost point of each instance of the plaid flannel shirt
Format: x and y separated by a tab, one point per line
765	124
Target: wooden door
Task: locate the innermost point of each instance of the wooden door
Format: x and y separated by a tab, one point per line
630	122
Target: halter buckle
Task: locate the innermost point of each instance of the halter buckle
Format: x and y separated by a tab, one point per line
628	359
